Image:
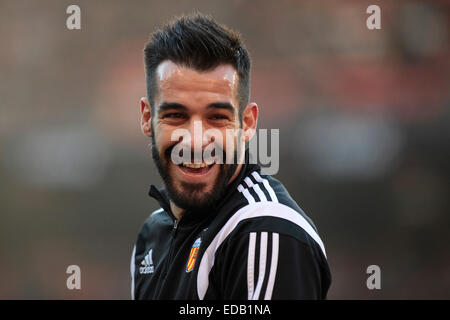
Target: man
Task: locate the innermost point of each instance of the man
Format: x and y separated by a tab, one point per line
224	230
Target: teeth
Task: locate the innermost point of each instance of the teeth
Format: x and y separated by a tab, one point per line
195	165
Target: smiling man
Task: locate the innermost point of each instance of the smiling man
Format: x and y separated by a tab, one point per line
224	230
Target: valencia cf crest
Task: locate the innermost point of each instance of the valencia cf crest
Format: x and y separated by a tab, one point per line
193	255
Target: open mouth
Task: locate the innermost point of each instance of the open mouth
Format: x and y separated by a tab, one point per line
195	168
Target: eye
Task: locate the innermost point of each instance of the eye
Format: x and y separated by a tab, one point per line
219	117
174	115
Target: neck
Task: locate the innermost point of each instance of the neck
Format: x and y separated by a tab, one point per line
177	211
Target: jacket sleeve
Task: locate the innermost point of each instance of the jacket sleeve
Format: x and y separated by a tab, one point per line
132	271
270	265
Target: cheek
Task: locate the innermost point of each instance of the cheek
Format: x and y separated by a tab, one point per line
162	137
230	141
226	138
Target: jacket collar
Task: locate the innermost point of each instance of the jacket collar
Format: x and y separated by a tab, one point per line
161	196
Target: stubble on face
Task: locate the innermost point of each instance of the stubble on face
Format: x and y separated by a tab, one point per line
192	196
195	91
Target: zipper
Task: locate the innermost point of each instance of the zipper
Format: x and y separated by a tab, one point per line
175	228
169	258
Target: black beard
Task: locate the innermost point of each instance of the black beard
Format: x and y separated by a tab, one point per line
192	197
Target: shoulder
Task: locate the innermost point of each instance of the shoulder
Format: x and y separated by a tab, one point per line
156	220
267	206
158	216
271	218
268	218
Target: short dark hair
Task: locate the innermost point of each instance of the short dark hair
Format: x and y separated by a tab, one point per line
197	41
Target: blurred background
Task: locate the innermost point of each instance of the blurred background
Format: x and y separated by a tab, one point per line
364	119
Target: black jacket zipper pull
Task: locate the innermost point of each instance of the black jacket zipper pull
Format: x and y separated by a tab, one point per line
175	226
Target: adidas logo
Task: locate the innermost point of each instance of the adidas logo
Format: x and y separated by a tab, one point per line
147	264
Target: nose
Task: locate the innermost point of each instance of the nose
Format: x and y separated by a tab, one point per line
196	139
199	139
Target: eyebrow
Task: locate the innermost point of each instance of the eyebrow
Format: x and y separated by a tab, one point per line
165	106
221	105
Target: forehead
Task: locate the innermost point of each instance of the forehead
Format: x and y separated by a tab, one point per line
185	85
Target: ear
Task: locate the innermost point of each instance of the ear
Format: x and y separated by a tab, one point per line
249	121
146	117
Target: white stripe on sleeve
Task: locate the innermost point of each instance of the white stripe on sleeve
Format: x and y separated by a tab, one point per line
266	184
273	266
251	264
262	265
246	194
132	269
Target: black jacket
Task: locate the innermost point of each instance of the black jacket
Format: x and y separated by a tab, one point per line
255	244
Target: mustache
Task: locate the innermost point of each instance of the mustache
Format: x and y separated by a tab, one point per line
217	151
